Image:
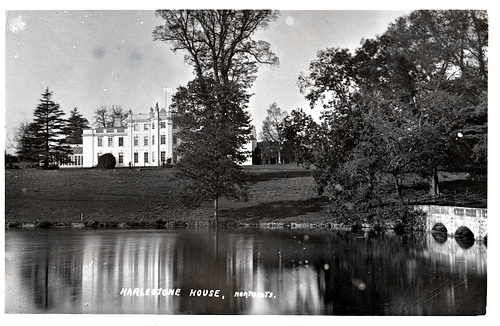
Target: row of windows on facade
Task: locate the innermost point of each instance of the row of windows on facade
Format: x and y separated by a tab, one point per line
163	141
163	125
136	127
77	160
163	157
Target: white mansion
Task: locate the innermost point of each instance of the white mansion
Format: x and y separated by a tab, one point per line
147	139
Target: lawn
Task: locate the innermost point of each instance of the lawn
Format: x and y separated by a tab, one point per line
146	195
279	193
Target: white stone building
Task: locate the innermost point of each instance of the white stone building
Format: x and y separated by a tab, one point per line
146	140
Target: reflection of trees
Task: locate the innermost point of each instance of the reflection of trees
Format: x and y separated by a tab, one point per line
36	275
52	273
310	272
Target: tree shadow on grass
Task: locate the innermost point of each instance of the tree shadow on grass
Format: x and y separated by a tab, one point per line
274	210
275	175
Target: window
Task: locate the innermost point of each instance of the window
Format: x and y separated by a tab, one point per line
146	157
162	139
136	127
153	156
110	141
152	125
162	125
120	141
163	156
152	139
120	158
136	157
146	126
146	141
99	141
136	140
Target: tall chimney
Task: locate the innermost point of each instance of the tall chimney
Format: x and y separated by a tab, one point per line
117	120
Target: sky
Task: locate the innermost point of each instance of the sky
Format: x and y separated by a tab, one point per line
90	58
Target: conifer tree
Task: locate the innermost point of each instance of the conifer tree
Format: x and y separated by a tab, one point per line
47	138
74	128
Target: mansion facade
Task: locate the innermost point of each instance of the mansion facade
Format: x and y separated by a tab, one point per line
145	140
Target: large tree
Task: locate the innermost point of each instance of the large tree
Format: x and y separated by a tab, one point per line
102	119
212	109
104	116
27	142
219	43
74	127
213	134
412	100
301	132
44	138
446	55
272	129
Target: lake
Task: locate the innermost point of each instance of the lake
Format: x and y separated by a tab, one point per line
241	271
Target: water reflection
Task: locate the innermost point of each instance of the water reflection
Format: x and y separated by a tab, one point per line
241	272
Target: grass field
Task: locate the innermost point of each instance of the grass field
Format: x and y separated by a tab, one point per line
280	193
146	195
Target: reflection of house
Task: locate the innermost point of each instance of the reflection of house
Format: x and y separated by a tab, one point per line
147	140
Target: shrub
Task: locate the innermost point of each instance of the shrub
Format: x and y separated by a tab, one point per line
106	161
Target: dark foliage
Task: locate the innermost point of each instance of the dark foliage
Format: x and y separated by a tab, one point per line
409	102
43	139
106	161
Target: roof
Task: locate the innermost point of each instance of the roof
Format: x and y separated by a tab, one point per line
77	150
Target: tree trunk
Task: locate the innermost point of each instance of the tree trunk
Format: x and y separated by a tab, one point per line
216	210
399	186
434	184
280	160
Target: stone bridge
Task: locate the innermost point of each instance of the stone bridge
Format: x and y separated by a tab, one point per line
453	217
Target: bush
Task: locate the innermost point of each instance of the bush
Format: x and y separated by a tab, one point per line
106	161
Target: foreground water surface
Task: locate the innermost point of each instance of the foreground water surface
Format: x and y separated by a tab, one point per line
249	271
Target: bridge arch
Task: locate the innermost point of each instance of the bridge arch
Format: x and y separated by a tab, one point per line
464	237
439	232
439	227
452	218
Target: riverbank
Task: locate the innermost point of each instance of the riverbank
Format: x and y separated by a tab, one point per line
281	196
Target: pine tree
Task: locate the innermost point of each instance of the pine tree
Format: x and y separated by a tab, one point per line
74	128
48	131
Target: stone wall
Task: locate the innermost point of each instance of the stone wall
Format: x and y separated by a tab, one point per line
453	217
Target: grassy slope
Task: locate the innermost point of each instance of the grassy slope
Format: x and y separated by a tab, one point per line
128	195
280	193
